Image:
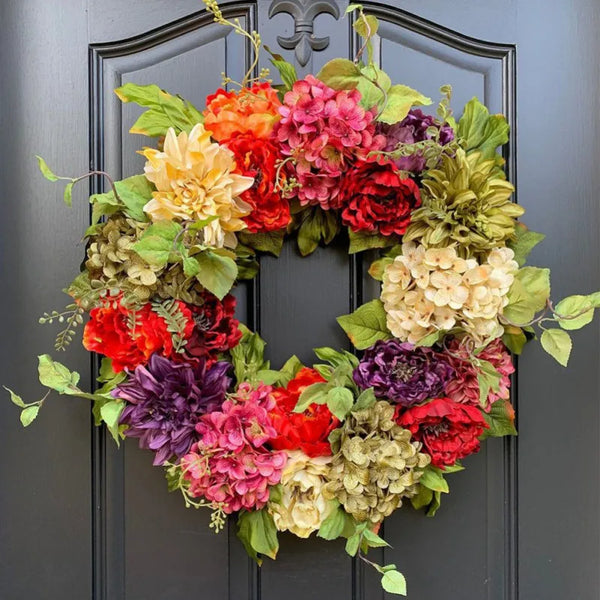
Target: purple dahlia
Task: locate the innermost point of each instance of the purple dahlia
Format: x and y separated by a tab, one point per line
166	399
412	129
403	373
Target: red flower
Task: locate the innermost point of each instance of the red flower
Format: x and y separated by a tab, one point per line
110	332
215	328
306	431
449	431
257	158
377	199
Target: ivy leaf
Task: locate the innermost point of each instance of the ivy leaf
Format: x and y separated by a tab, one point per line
270	241
557	343
433	479
340	74
312	394
15	398
360	241
258	534
56	376
400	99
29	414
217	272
110	413
524	242
366	325
340	401
394	582
287	71
501	420
573	305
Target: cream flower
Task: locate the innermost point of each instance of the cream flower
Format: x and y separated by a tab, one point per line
302	507
194	181
444	291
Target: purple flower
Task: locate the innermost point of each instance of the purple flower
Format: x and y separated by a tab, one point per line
410	130
403	373
166	399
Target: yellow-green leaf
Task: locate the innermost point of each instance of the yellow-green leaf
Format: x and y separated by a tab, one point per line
557	343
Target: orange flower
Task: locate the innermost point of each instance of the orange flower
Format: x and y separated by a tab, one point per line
254	110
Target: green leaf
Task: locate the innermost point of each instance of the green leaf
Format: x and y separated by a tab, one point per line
394	582
191	267
366	325
289	370
135	192
340	74
15	398
373	540
154	250
352	7
422	499
433	479
316	225
217	273
575	305
336	358
527	295
400	99
524	242
378	267
338	523
371	92
501	420
56	376
312	394
268	376
46	171
366	26
488	379
431	338
270	241
340	401
29	414
248	356
481	131
258	534
557	343
366	399
110	413
286	70
68	194
514	339
352	544
360	241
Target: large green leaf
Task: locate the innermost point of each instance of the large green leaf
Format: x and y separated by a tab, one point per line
400	99
366	325
500	419
394	582
158	242
258	534
56	376
340	401
557	343
340	74
524	242
217	272
577	311
133	194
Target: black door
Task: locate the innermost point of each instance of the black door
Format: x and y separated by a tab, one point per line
80	520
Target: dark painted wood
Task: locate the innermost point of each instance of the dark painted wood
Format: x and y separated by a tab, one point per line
82	520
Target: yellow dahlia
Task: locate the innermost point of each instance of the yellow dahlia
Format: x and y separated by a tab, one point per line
195	180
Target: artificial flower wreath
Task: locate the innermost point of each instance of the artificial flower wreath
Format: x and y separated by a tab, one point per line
334	448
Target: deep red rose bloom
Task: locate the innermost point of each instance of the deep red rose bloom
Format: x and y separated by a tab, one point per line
256	158
377	199
449	430
109	332
215	328
305	431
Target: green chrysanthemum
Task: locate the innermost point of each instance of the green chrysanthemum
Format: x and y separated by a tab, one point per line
466	201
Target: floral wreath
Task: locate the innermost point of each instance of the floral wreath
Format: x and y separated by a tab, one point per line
333	448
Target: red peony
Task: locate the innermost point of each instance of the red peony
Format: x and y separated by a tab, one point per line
377	199
110	332
306	431
215	327
257	158
449	431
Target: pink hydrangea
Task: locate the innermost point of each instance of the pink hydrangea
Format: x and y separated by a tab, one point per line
323	130
229	465
463	387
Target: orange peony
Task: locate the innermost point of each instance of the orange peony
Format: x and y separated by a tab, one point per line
250	110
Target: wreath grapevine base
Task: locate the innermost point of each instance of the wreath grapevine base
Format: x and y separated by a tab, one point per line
334	448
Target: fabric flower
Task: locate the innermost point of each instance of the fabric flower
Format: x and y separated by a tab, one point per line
401	373
464	387
306	431
250	110
377	464
323	130
257	158
130	337
377	200
215	327
413	128
449	430
302	507
229	465
426	290
165	400
195	179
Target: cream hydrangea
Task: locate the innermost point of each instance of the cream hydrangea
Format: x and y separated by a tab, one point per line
195	181
425	290
302	507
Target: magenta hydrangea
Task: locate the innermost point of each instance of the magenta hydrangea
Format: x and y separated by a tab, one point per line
230	465
323	130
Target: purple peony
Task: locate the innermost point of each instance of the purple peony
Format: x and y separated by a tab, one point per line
166	399
413	128
403	373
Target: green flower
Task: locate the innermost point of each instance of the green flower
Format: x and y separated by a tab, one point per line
466	201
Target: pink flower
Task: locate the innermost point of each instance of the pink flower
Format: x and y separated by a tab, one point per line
229	465
324	131
464	387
